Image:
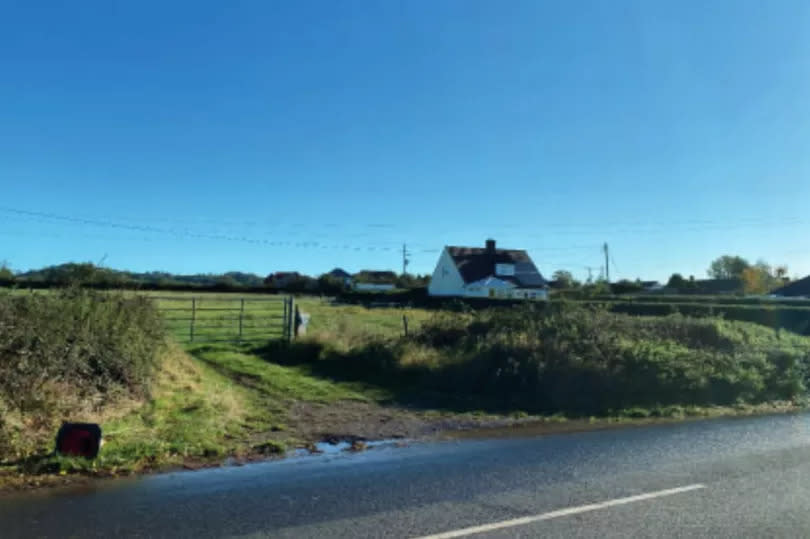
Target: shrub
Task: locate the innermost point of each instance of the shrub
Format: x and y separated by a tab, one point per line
72	349
586	360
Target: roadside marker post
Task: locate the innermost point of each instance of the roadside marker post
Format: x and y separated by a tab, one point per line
79	440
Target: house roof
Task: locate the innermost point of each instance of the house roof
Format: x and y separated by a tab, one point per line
796	288
340	273
476	263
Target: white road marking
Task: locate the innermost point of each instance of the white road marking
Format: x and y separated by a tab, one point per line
562	513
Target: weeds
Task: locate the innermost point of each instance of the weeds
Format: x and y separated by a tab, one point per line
573	360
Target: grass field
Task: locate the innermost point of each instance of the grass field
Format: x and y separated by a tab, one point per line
217	317
221	318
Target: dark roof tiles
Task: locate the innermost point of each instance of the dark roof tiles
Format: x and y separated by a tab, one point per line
475	263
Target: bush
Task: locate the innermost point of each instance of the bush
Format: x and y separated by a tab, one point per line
795	319
64	351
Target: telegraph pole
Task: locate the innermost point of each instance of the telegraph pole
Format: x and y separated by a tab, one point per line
607	266
405	260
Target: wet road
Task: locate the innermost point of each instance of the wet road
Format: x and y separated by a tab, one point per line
725	478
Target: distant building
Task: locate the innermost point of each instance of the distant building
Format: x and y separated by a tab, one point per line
340	273
651	286
343	275
374	281
718	286
797	289
487	272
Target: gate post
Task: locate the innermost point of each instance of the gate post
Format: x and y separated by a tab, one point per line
284	324
291	316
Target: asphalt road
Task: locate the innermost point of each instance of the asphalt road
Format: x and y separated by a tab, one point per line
726	478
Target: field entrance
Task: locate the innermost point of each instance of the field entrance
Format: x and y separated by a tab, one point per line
219	318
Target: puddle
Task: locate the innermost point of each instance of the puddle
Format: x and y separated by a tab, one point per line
337	446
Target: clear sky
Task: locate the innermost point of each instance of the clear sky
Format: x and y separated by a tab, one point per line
268	136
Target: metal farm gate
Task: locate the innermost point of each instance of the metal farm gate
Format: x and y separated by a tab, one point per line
218	318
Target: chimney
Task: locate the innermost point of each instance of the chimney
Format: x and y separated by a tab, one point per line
490	247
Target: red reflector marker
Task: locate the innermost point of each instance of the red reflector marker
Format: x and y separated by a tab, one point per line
79	440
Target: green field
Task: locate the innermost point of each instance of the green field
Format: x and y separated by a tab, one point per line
209	317
217	317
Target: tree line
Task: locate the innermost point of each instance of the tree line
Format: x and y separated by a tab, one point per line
734	273
88	274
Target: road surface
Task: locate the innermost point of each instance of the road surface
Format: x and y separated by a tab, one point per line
724	478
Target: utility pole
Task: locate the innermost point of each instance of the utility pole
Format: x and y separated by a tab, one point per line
405	260
607	266
590	274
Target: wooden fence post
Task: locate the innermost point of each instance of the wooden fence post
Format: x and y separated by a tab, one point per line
193	317
291	328
241	317
405	324
284	323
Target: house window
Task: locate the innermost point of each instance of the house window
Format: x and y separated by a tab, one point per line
504	269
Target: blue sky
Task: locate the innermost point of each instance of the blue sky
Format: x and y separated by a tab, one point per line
268	136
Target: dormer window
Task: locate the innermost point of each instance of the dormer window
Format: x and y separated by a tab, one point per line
506	270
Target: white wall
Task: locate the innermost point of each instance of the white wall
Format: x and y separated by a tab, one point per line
446	280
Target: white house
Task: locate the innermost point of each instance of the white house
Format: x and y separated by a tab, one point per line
487	273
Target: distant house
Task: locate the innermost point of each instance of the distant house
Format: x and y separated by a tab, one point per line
651	286
370	280
487	272
718	286
340	273
797	289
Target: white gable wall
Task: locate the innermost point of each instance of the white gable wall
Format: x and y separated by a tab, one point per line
446	280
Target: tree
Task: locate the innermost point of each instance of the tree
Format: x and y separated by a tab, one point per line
762	277
328	284
226	282
728	267
676	281
756	280
564	279
5	273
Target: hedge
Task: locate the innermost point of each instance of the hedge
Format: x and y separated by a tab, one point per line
796	319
